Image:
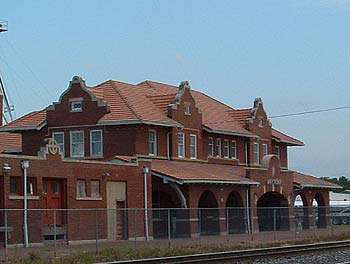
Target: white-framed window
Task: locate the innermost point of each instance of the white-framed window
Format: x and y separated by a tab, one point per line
211	147
226	149
152	143
193	146
264	149
277	151
256	153
95	188
77	144
181	145
59	139
81	188
96	143
234	149
76	105
218	147
187	108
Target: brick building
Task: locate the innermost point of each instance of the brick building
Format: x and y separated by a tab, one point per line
201	153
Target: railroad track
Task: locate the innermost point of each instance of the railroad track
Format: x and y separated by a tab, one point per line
242	254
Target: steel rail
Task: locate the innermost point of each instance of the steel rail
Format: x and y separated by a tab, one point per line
241	254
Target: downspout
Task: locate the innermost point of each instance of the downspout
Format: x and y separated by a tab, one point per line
145	172
25	166
168	145
248	209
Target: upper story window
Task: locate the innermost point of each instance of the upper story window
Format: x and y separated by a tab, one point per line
152	142
265	149
187	108
226	149
77	144
193	146
76	105
211	147
234	149
256	153
218	147
181	145
96	143
59	139
277	151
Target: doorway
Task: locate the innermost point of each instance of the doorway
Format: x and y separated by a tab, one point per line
116	213
53	199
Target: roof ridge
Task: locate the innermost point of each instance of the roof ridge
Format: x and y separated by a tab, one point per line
125	100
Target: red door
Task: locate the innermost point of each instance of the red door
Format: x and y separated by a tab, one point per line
53	199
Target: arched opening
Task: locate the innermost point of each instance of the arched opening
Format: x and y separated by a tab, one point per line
208	214
167	213
273	212
319	211
235	213
301	212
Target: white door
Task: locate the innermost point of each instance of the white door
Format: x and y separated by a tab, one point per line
115	193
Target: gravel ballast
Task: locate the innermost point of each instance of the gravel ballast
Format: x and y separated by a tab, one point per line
324	257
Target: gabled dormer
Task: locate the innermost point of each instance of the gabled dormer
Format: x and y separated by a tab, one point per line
258	123
183	109
76	106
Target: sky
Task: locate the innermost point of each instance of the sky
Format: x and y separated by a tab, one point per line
295	54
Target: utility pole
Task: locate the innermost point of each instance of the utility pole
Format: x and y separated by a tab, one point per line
8	107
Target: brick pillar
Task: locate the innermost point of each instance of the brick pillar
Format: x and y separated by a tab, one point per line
291	215
223	221
193	197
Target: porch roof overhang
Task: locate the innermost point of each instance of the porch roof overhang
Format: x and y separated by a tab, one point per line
302	181
187	172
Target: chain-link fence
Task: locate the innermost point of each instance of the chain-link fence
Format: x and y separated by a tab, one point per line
78	226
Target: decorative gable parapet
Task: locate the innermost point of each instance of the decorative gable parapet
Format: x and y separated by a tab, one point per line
78	82
77	105
258	114
183	109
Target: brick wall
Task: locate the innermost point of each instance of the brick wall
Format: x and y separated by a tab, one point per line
79	223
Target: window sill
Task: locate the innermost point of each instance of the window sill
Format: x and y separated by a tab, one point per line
21	197
88	198
95	157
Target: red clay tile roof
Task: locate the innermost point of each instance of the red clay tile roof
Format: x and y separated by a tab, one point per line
309	181
10	142
128	103
217	116
281	137
32	120
199	172
241	115
147	102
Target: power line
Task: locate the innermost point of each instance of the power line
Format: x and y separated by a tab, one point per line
7	103
16	52
311	112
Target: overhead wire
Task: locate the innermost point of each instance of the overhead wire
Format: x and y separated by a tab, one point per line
15	51
7	103
311	112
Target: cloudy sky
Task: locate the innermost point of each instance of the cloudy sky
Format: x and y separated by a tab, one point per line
295	54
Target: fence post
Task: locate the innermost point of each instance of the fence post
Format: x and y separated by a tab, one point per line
6	235
227	223
96	232
134	227
169	227
54	231
274	223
